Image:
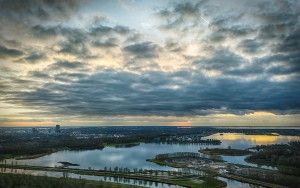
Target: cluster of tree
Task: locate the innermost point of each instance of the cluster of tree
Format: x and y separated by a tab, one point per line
225	151
268	176
27	181
32	147
284	156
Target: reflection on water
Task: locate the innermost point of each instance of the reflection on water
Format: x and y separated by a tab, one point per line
253	140
135	157
128	181
236	184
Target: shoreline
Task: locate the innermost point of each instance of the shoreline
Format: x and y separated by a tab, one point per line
184	181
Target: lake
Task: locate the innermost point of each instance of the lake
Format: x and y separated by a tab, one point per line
135	157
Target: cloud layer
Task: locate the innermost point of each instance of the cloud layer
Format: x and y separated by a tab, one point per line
193	58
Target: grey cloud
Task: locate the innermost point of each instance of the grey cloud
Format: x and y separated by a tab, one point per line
69	77
143	50
75	43
66	65
30	11
108	43
124	93
38	74
35	56
74	47
290	43
250	46
42	31
178	14
104	30
9	52
282	63
221	60
257	26
75	40
173	46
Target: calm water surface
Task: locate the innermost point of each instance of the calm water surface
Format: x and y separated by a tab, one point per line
237	184
135	157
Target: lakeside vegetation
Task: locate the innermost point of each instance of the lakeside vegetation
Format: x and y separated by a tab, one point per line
225	151
253	175
286	157
28	144
168	177
38	147
28	181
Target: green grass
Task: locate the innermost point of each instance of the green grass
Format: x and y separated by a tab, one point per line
28	181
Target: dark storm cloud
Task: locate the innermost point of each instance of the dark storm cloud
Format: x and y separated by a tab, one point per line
9	52
142	50
124	93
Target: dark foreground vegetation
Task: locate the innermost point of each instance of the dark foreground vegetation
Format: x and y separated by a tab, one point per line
28	181
224	151
286	157
167	177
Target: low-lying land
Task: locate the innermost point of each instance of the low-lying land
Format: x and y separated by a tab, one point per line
183	160
225	151
253	175
24	144
67	164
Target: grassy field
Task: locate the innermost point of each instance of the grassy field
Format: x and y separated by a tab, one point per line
28	181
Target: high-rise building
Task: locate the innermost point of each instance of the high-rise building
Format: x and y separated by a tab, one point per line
34	131
57	128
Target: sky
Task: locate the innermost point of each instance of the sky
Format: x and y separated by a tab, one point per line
130	62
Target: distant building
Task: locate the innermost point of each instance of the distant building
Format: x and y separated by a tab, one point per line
34	131
57	128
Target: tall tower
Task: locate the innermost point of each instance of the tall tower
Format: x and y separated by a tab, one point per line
57	128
